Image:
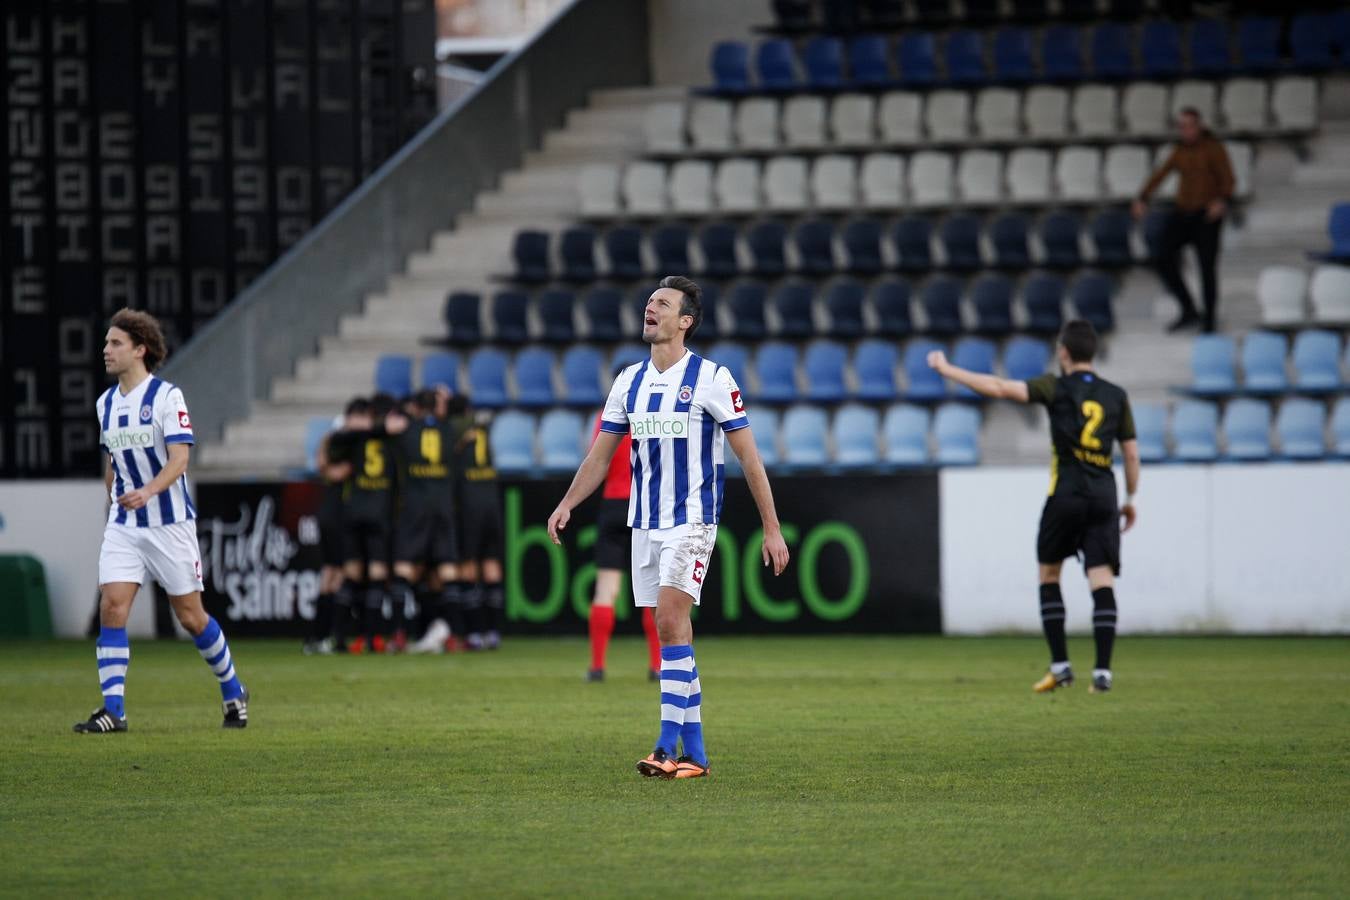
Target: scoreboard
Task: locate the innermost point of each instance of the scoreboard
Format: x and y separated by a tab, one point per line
160	154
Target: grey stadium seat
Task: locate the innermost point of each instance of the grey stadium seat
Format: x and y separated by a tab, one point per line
1046	113
690	187
979	176
785	184
804	122
1127	168
1244	104
1280	291
1029	175
834	182
644	188
1078	173
1198	94
1145	109
947	116
853	120
1293	103
736	185
900	118
930	179
598	190
664	127
710	125
1095	112
998	114
882	180
756	124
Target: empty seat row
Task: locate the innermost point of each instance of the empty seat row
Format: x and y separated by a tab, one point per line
997	115
1286	293
1266	363
816	247
792	16
1245	431
1108	51
838	182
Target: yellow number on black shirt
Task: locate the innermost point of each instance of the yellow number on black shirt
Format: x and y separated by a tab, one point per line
431	446
1094	412
480	448
374	459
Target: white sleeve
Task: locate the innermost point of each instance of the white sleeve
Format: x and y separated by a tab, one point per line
614	419
723	401
173	419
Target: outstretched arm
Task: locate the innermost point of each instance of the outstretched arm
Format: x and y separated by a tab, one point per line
985	385
774	549
589	476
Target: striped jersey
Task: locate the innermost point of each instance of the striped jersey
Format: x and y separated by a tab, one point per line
676	419
137	430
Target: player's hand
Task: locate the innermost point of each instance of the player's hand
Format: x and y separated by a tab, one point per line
937	361
557	522
1138	208
774	549
1127	516
1214	212
134	499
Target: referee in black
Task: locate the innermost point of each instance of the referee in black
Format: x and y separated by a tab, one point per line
1088	414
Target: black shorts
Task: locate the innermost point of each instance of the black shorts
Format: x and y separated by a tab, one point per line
481	534
613	537
425	536
332	546
367	540
1075	524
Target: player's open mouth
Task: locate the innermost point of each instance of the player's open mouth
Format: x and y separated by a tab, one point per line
650	320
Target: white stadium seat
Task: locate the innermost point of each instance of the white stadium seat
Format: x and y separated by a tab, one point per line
598	188
979	177
1078	173
998	114
883	180
1199	95
1168	188
1280	291
804	122
947	116
1244	105
834	182
1240	158
1046	111
1145	108
710	125
690	187
644	188
1293	103
1095	112
900	117
1127	168
930	178
785	184
757	124
853	120
1329	292
736	185
663	126
1029	175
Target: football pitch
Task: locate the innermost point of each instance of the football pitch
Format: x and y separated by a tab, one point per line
840	767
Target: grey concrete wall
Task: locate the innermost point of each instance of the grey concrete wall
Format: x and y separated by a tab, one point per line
683	33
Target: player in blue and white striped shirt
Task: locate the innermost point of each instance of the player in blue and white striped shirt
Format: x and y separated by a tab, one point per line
152	529
679	408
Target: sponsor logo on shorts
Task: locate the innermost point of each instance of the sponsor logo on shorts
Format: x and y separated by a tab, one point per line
147	414
698	571
737	404
686	393
658	425
183	420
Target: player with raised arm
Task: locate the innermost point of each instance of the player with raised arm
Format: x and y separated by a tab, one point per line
151	530
1087	415
677	407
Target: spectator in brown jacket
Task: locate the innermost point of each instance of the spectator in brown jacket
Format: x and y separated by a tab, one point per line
1206	184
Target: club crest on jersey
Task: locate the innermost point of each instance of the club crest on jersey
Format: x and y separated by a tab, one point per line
686	393
147	414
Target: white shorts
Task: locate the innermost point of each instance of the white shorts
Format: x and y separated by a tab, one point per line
169	554
671	557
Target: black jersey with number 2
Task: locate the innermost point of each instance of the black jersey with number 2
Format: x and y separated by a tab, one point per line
1088	415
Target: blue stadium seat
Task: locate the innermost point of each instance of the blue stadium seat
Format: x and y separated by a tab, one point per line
856	429
1263	356
530	252
512	437
1209	47
534	377
965	57
1317	367
462	317
806	431
1301	424
560	440
509	321
890	303
1150	426
1062	53
916	59
604	314
1111	237
862	247
1312	38
869	61
924	385
976	355
1338	231
736	359
913	237
626	355
776	372
960	236
1246	428
844	302
1043	297
556	307
941	300
747	311
957	430
766	241
623	246
1340	428
792	302
824	363
441	369
393	375
1155	229
487	378
874	365
1259	43
1160	49
316	429
815	247
708	327
1112	51
670	243
992	295
766	423
1025	358
577	248
581	376
1213	365
1012	56
731	67
718	243
776	65
1091	297
1059	237
905	429
1195	431
824	59
1008	234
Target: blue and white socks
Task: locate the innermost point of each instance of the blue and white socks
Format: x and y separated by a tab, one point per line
692	732
681	701
212	646
114	655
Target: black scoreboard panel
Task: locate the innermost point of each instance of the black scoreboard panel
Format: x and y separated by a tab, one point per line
160	154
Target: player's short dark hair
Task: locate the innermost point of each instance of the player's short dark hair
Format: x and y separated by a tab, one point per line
1192	112
692	304
457	405
1079	338
357	406
425	399
381	405
144	331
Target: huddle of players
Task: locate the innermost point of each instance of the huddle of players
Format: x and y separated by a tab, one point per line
410	528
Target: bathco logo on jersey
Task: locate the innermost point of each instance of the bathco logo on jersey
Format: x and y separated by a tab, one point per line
129	438
659	425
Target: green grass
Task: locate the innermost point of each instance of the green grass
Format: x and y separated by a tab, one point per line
841	767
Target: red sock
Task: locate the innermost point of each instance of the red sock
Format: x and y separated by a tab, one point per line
602	626
653	642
